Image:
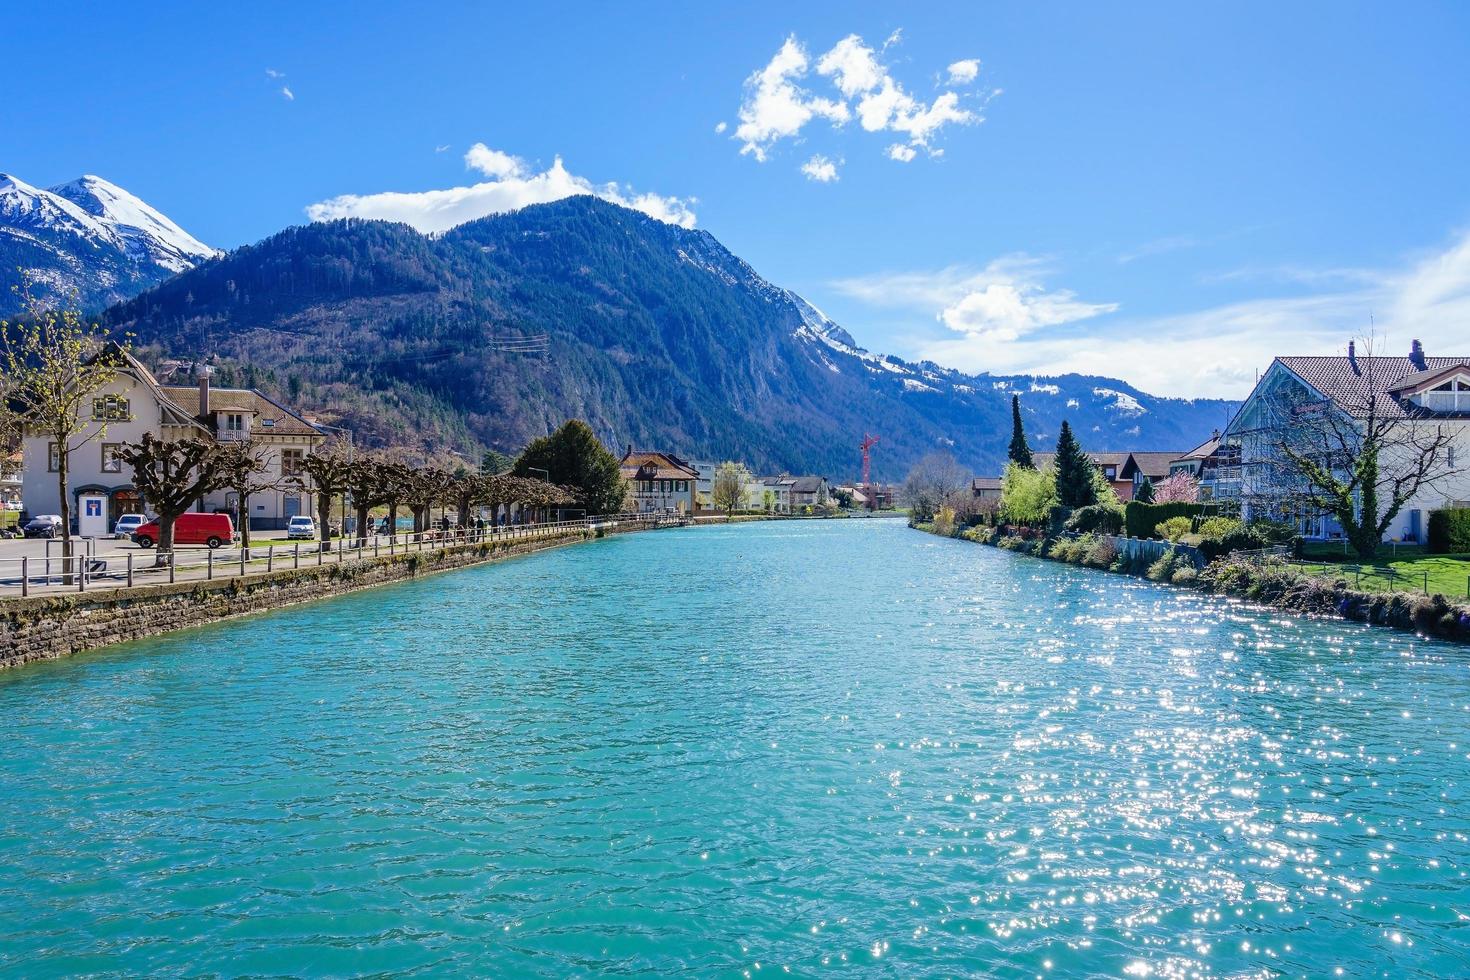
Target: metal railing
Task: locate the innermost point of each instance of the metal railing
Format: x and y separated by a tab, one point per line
1379	578
88	570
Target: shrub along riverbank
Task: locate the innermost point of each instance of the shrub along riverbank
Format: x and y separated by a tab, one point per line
1269	581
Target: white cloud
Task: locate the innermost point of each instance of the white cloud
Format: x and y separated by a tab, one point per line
289	95
853	67
721	126
777	107
964	72
442	148
272	73
820	169
901	153
439	210
1214	352
1010	310
493	163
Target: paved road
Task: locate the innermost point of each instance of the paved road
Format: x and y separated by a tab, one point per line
193	562
37	547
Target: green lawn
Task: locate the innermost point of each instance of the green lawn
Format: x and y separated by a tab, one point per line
1410	570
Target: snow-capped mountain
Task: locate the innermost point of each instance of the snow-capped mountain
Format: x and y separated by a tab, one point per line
88	236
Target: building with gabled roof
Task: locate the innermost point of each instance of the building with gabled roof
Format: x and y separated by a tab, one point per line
1296	392
135	403
659	482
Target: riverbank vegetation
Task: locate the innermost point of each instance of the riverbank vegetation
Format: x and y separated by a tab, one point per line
1053	513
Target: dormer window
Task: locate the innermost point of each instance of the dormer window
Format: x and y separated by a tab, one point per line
234	422
1452	395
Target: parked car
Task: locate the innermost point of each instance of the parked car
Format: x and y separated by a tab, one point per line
301	529
43	526
210	530
127	524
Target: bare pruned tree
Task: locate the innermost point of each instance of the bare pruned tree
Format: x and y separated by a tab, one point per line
326	474
245	469
171	474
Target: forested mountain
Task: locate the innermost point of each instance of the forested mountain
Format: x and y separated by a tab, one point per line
88	237
500	329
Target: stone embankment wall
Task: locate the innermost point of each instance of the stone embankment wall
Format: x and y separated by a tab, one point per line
1150	550
48	627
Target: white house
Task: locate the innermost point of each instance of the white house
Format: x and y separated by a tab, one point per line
659	482
101	485
1297	396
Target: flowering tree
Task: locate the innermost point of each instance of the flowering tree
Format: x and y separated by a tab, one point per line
1179	488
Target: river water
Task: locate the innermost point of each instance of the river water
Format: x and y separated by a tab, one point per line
806	746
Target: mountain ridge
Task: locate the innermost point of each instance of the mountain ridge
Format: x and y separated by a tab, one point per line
492	333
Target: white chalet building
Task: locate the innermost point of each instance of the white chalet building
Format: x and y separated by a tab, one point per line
136	403
1290	399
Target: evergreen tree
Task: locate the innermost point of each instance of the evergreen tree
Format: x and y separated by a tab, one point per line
1145	494
573	457
1020	453
1074	472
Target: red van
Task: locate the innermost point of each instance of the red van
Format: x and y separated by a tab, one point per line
211	530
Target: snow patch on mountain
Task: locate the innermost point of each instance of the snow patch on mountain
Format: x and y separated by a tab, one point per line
148	233
90	237
1123	402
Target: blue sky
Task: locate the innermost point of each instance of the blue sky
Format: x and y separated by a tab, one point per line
1166	193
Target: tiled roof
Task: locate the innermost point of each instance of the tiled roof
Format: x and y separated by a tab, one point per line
1099	459
806	484
666	466
1336	378
1203	451
283	421
986	483
1153	464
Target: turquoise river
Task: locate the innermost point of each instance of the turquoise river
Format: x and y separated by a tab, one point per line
750	750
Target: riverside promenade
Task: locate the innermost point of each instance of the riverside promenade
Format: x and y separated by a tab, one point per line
55	611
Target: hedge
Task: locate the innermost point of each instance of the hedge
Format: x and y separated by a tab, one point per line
1449	531
1141	519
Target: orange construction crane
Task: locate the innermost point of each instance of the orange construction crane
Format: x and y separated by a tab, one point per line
869	441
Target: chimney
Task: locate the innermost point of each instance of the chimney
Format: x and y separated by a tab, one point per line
1214	433
1416	356
1353	357
203	371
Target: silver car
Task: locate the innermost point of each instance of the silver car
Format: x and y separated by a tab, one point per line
128	524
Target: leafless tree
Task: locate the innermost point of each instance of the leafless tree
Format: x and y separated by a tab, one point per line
171	475
935	480
326	474
245	469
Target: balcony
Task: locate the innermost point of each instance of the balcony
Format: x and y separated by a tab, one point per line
1445	401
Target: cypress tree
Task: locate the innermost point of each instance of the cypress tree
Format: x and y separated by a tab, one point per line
1145	494
1074	472
1020	453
